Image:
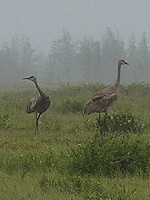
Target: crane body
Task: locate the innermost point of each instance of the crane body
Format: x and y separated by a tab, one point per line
105	98
38	105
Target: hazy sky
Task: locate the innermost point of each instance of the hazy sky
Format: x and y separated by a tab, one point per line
43	20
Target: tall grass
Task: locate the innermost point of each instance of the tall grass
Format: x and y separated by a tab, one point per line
74	158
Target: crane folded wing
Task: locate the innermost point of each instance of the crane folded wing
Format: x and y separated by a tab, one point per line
31	105
99	95
100	103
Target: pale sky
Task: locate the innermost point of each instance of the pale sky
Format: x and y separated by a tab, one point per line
43	20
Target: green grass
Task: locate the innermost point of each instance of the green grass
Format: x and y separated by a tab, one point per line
73	158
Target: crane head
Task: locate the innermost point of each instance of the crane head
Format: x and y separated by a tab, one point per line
122	62
31	78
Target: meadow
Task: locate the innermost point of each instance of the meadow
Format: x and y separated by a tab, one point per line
73	158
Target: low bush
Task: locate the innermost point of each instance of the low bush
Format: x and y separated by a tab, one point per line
110	156
117	122
121	121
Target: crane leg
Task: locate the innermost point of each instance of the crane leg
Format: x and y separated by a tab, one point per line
105	117
102	131
99	119
36	126
106	127
99	122
37	123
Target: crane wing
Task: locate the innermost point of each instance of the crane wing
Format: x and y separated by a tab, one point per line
101	103
105	93
32	105
99	95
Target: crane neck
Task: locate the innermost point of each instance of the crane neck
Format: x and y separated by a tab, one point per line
39	89
118	76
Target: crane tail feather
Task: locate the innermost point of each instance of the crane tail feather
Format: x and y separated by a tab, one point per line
88	108
29	110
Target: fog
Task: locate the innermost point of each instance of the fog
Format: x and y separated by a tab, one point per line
75	42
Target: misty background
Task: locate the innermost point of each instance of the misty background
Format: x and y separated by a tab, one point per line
75	42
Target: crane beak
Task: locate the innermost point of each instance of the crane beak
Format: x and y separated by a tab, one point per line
126	63
26	78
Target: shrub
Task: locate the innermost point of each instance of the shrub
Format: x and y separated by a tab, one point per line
110	156
118	121
123	121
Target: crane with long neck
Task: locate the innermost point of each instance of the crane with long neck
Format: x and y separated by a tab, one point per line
38	105
120	63
103	99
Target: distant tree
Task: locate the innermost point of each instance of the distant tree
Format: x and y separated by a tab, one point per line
132	49
96	61
86	60
5	60
89	59
85	56
27	57
112	49
132	55
143	58
143	48
61	59
10	56
39	65
18	59
9	61
14	51
112	46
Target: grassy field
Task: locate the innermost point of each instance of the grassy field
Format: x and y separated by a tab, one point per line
73	158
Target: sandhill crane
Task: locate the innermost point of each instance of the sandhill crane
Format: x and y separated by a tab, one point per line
103	99
38	104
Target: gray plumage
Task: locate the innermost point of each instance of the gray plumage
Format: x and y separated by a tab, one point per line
38	104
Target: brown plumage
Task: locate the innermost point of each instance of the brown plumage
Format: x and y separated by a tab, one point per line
38	104
103	99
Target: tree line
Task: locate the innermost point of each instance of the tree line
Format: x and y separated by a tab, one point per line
79	62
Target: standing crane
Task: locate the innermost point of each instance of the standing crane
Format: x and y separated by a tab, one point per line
103	99
38	105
